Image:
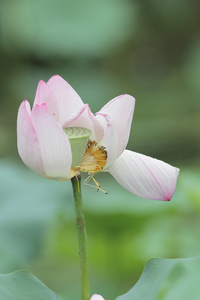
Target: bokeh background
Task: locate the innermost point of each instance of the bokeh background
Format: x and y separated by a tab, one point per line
149	49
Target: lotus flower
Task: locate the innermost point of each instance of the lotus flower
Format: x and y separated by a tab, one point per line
97	297
61	137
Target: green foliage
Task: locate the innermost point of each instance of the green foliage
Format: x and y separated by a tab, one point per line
23	285
23	215
90	30
167	279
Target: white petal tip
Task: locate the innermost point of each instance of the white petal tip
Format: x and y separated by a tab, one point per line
169	194
97	297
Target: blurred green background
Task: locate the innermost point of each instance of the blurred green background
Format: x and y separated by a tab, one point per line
149	49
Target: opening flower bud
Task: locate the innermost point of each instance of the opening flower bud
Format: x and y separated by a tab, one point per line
78	138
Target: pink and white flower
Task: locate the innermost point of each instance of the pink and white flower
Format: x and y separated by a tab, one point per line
45	148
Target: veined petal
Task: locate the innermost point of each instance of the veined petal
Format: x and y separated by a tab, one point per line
27	141
54	145
45	95
118	114
68	100
97	297
85	118
145	176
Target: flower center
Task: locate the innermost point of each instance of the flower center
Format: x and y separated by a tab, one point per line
94	159
87	155
78	138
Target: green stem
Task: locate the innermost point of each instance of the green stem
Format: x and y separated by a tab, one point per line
82	238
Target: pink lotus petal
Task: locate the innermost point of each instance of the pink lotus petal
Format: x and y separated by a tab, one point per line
45	95
68	100
110	140
54	145
97	297
27	141
85	118
118	114
145	176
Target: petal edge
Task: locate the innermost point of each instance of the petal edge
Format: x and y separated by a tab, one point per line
68	100
117	114
27	142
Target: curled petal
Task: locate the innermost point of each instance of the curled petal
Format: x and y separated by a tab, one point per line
45	95
27	141
54	145
145	176
68	100
85	118
97	297
116	117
